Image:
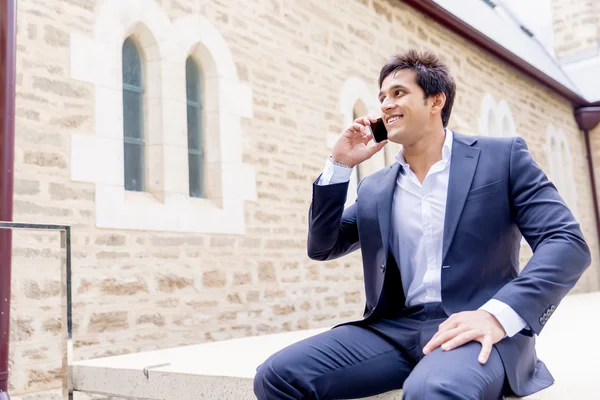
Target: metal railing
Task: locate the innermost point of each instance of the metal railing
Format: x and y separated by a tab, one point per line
67	314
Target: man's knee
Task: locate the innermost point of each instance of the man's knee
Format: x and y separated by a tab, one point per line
267	379
261	379
275	380
429	386
444	384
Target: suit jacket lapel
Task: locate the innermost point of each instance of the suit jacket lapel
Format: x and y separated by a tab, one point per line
462	169
385	195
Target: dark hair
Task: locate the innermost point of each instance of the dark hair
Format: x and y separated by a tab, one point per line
433	76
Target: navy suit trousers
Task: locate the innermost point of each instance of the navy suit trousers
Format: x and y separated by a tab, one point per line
367	358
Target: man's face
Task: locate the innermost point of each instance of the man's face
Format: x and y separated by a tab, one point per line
404	109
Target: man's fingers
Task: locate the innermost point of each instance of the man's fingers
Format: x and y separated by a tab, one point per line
367	120
358	127
486	349
369	132
440	331
362	121
436	342
378	147
433	342
447	334
451	322
461	339
442	337
361	131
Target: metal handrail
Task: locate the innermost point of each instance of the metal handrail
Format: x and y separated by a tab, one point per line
67	305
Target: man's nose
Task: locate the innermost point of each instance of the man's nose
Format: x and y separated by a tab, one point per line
386	106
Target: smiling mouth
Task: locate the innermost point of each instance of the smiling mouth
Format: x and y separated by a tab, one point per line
394	119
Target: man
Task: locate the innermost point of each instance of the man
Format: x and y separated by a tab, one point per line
448	315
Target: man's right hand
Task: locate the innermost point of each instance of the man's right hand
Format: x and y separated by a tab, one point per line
352	147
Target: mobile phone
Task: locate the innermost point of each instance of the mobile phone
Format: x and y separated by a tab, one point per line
378	130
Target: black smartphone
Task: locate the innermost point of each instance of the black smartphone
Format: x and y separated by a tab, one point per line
379	131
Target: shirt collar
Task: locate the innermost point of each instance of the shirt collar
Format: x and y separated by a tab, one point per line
446	150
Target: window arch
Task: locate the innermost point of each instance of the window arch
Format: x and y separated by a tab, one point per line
164	43
195	128
133	116
357	100
492	124
495	118
561	166
359	110
506	122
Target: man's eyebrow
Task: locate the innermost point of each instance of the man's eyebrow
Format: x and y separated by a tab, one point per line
393	87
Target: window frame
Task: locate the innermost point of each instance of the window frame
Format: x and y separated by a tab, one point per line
139	90
496	118
560	166
200	151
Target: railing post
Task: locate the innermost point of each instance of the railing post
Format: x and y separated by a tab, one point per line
8	25
67	318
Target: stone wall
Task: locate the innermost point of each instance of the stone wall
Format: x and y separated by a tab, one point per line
138	290
576	26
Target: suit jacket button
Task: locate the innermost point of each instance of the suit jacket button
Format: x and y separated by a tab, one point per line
382	268
542	321
553	308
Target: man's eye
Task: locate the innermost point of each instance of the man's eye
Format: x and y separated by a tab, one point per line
399	91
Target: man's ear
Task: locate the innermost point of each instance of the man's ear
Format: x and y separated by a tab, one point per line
438	102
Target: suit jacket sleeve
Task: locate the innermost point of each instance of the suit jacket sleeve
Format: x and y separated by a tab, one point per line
332	231
560	253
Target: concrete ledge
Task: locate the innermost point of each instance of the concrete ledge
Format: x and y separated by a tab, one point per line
224	370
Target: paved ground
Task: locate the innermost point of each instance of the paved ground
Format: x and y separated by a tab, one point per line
224	370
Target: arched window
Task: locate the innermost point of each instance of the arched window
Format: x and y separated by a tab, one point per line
496	119
505	119
358	100
195	131
133	116
359	110
561	166
163	45
492	124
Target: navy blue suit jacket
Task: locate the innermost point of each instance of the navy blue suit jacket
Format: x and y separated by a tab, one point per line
497	194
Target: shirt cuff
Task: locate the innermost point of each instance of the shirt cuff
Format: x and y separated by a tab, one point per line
333	174
508	318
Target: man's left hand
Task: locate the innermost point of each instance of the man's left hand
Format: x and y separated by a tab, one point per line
460	328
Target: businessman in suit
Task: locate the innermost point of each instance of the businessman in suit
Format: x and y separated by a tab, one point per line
448	315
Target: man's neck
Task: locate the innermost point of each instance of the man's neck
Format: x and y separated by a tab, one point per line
423	154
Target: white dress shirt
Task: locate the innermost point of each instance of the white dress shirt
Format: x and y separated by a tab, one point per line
417	241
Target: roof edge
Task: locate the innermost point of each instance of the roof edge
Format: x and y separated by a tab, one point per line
452	22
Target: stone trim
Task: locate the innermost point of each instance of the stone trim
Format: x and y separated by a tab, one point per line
98	158
560	166
355	90
496	118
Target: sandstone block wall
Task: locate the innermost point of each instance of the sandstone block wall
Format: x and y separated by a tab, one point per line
137	290
576	26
